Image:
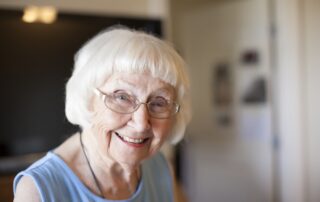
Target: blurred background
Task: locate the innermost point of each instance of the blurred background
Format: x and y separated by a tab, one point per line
254	69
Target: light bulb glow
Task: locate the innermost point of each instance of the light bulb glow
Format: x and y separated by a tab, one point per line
45	14
30	14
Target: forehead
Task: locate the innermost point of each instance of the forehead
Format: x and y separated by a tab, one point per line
142	83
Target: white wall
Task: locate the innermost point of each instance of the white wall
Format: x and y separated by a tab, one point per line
232	163
207	32
288	96
312	97
297	97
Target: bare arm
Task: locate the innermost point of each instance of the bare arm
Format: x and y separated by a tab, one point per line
26	191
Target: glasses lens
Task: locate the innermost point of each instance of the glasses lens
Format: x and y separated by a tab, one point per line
121	102
161	108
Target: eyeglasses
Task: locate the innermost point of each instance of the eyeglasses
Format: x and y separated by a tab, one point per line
124	103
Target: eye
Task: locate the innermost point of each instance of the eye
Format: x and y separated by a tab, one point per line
159	104
122	96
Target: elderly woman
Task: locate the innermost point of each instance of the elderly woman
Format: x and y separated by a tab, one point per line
129	94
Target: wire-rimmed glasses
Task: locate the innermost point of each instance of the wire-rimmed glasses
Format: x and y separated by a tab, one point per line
124	103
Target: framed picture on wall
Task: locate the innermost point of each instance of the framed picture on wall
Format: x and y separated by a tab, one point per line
222	93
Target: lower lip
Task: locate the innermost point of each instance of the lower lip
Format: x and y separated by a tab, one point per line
140	145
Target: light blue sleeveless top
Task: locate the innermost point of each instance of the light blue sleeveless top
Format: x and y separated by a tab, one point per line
55	181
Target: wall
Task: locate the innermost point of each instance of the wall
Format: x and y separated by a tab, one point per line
207	32
138	8
298	99
104	7
288	97
225	163
311	11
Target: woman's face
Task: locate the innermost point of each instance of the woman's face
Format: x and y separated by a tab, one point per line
131	138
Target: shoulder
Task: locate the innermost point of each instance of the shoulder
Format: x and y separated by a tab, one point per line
39	179
157	178
165	175
26	190
37	169
25	184
157	163
156	159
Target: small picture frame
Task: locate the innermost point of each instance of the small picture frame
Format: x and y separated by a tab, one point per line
222	92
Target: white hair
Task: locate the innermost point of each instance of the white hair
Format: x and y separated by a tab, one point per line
124	50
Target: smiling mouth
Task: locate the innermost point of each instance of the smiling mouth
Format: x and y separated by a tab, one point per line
133	141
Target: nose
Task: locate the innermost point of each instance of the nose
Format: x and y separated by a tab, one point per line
141	119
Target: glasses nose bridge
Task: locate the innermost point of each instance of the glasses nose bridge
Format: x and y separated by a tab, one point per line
138	104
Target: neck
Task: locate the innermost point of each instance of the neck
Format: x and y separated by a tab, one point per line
122	180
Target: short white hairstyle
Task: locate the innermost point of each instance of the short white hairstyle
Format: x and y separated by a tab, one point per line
124	50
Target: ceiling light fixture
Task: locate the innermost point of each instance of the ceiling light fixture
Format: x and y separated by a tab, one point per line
45	14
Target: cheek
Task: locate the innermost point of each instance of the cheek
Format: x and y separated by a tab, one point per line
163	129
107	121
102	126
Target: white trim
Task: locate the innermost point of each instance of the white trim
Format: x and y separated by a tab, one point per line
289	105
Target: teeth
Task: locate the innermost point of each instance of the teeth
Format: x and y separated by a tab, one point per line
128	139
131	140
